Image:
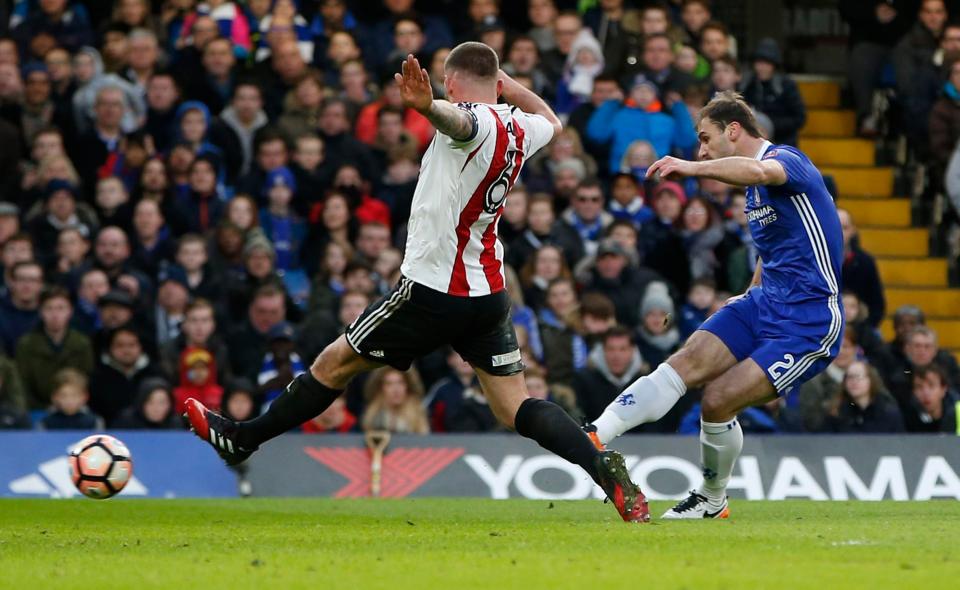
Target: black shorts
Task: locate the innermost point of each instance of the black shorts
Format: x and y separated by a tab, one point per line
413	320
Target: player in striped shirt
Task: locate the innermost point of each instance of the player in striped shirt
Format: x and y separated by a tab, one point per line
452	290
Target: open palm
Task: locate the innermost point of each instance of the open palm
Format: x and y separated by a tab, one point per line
414	85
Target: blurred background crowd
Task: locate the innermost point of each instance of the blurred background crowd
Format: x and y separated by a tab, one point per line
197	197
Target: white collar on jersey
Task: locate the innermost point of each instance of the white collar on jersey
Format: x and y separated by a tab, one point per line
763	150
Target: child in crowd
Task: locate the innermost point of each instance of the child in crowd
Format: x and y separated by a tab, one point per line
198	379
70	397
699	306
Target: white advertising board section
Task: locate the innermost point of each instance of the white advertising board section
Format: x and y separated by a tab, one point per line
507	466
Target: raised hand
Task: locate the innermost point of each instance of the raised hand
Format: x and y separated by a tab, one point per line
415	85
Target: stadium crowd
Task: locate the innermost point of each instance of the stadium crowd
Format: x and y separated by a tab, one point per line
197	197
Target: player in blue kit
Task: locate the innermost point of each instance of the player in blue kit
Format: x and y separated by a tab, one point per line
784	330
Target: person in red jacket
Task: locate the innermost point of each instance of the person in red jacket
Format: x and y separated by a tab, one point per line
198	379
414	122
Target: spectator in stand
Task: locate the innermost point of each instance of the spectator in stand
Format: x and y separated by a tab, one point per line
627	200
287	67
657	337
342	147
863	406
91	79
920	350
702	233
660	238
523	59
197	379
202	206
144	57
198	331
280	364
231	21
53	343
366	126
217	83
875	26
152	244
111	254
92	284
272	151
60	210
17	248
285	230
19	312
284	22
13	406
584	63
716	42
238	124
117	377
51	24
152	409
248	341
624	284
380	42
301	107
725	75
774	93
69	399
336	419
586	216
566	26
945	120
394	402
445	397
643	117
564	147
73	248
564	349
239	402
816	399
173	295
102	142
855	313
542	14
699	306
860	273
605	88
612	367
542	267
36	110
912	58
934	405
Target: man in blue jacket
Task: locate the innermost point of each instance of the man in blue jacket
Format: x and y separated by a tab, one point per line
642	116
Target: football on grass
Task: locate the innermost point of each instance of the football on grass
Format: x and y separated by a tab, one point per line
100	466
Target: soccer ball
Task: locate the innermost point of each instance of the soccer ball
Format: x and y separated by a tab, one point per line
100	466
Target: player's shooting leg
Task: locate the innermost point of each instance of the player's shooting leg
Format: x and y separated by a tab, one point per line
308	395
540	420
650	397
721	438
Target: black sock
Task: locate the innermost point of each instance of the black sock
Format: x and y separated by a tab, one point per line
303	399
556	431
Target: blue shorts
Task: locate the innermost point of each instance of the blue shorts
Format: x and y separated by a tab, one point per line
791	343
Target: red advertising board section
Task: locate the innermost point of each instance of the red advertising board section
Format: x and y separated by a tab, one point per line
508	466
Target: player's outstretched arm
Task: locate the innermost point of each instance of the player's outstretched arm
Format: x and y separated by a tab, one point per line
736	170
527	101
417	94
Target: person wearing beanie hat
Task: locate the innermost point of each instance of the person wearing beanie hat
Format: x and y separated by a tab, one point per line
198	379
773	93
152	409
281	225
642	116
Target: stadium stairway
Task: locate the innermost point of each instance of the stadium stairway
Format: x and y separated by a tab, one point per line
909	273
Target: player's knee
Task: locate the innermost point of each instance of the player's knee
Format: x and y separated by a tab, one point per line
691	367
328	368
715	405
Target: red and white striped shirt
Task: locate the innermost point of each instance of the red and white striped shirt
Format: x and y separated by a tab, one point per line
452	243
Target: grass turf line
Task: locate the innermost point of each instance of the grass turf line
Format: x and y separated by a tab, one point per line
465	543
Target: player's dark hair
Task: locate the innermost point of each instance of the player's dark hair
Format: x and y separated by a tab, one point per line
617	332
475	59
729	107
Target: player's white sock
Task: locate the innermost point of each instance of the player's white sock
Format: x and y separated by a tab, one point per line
647	399
720	445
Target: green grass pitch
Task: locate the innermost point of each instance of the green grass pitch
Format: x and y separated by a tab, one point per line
431	543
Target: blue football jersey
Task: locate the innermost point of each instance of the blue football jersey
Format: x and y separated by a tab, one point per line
796	231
